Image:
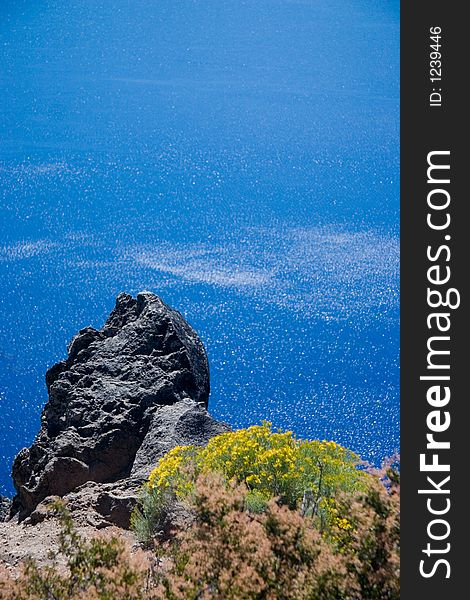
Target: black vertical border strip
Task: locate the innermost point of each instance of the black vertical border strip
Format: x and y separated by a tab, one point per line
425	129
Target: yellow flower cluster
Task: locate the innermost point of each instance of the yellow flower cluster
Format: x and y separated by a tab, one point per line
343	524
256	456
173	471
270	463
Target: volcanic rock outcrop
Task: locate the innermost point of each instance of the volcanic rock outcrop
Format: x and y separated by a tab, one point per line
125	395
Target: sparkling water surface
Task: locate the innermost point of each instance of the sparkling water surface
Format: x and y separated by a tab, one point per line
240	159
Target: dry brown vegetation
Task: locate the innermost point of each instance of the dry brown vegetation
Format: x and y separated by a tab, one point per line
229	553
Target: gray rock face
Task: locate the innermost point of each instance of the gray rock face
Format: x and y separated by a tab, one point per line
5	504
126	394
181	424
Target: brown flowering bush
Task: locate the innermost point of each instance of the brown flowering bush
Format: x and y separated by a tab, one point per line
370	546
231	554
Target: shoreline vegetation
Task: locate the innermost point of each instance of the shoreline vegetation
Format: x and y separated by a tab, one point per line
255	514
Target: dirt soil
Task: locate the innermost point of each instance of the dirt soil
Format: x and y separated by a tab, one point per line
19	541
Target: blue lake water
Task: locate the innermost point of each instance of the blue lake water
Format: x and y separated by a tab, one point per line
239	158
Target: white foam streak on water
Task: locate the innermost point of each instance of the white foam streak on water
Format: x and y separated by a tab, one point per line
318	270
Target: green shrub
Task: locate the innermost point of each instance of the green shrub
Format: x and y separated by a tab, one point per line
148	518
255	502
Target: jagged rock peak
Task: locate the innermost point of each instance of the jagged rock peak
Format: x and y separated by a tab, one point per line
105	402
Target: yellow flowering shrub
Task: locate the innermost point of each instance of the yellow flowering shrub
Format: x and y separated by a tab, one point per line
302	474
173	470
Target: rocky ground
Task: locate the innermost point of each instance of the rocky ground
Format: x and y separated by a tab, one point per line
24	540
